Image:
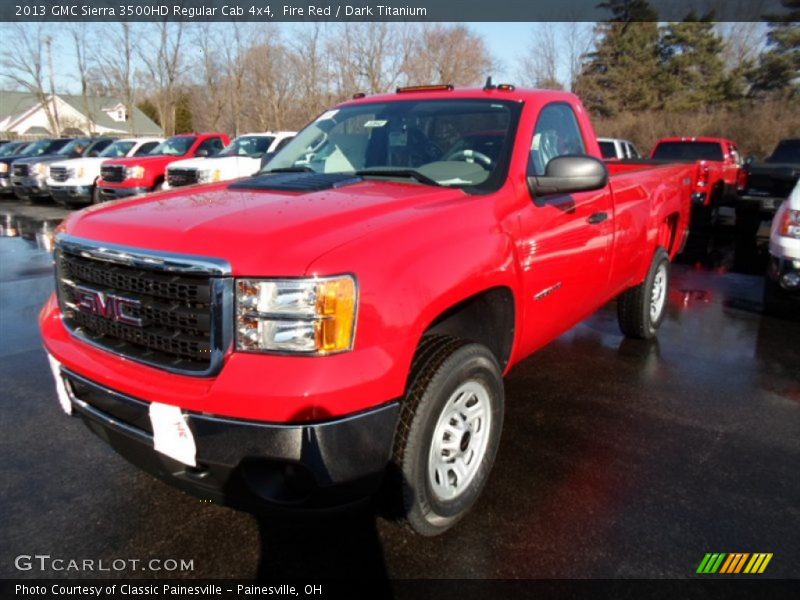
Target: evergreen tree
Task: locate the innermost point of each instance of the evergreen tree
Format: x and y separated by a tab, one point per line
149	109
624	71
183	114
779	67
694	69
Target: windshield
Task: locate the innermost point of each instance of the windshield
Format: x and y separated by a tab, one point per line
688	151
11	148
117	150
174	146
74	147
787	151
43	146
252	145
460	143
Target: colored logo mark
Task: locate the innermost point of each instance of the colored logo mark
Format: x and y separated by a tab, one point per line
735	562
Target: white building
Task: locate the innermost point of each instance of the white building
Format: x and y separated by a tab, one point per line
21	115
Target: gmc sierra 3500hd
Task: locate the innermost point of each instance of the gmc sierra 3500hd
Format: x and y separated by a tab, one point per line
348	313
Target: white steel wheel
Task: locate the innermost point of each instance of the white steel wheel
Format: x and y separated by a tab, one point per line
658	293
460	439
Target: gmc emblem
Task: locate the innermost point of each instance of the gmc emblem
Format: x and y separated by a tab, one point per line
109	306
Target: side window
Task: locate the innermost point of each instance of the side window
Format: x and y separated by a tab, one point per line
212	146
557	133
632	151
146	148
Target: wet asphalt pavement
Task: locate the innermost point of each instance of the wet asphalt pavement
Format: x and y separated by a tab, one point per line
618	459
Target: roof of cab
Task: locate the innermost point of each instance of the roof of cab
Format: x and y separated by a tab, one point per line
515	94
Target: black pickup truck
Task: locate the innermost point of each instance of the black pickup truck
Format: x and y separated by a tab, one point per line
767	184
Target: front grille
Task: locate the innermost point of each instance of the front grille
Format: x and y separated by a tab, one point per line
168	317
179	177
112	173
21	170
59	174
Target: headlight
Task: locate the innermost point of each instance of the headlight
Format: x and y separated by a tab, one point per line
209	175
3	167
309	316
136	172
790	224
40	169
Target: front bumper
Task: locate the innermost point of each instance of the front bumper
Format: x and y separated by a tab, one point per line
71	193
763	204
29	187
249	464
112	193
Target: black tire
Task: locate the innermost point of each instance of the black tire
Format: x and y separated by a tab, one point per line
442	368
97	197
634	314
776	301
748	222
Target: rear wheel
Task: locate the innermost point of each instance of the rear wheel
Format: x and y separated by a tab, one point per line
641	309
448	434
776	300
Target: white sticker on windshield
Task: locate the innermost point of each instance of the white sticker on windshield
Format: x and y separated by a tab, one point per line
328	115
375	123
535	145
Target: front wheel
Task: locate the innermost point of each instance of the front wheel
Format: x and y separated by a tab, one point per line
641	309
448	434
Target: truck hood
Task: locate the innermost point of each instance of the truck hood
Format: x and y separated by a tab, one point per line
260	233
234	164
148	162
92	162
45	158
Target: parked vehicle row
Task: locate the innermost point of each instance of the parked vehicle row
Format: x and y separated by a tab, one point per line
80	171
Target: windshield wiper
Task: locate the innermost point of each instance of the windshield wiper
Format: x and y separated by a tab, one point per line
407	173
298	169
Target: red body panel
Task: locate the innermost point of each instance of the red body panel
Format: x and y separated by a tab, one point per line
156	166
715	180
416	251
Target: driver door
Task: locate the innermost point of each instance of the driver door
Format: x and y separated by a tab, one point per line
564	240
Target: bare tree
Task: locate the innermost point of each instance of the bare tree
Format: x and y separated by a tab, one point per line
580	38
163	70
116	68
209	110
234	50
22	61
539	67
80	46
369	57
448	54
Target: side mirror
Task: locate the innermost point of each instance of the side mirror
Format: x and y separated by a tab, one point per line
569	174
202	153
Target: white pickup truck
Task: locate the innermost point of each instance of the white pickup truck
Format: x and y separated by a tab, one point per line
73	182
245	155
782	285
615	148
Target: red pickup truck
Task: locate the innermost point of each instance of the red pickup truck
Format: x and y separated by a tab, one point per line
719	164
342	321
138	175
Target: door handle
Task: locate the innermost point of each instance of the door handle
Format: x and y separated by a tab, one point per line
597	218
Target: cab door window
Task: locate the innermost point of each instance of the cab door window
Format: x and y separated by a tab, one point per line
557	133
